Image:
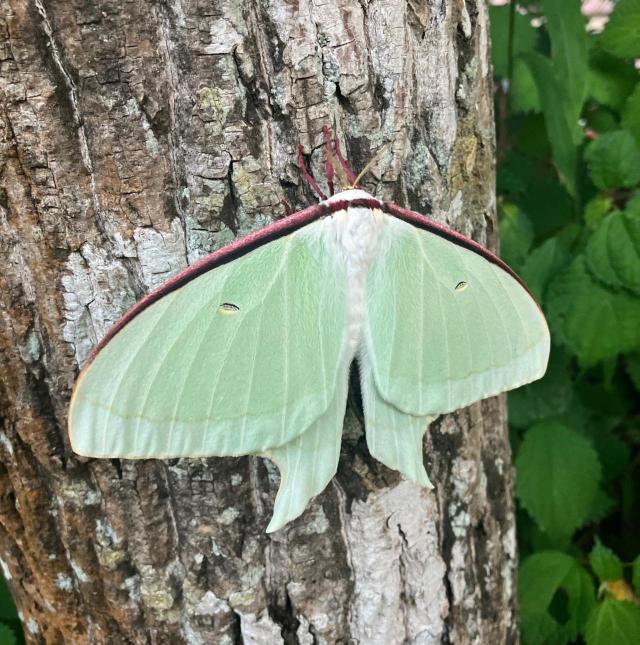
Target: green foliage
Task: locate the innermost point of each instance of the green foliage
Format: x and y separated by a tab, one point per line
595	323
614	621
613	251
605	563
611	80
614	160
566	27
547	398
516	235
10	628
559	116
524	37
7	635
636	574
556	596
622	34
569	205
558	478
631	114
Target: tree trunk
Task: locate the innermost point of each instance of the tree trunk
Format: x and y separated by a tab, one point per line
138	136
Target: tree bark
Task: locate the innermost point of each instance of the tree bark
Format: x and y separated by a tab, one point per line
138	136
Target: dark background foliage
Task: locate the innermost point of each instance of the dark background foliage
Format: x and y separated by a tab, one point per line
568	123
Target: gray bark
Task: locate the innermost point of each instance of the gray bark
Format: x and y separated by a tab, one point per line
136	137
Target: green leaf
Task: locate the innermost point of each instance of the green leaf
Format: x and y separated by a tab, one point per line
614	621
524	92
613	251
621	36
633	369
605	563
556	596
631	114
633	205
560	118
613	453
544	263
7	635
548	397
557	477
602	506
594	322
596	209
8	609
549	206
611	80
516	235
524	38
635	575
614	160
567	31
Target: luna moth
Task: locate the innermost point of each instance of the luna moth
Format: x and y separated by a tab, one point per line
248	351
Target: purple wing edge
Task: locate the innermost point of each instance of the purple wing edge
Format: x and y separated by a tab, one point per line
449	234
226	254
283	227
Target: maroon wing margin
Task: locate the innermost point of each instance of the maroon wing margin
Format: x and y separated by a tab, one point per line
226	254
284	227
427	224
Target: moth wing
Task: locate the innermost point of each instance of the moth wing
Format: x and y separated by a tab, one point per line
189	377
393	437
309	462
445	325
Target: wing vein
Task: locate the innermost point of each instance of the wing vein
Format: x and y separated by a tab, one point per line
441	309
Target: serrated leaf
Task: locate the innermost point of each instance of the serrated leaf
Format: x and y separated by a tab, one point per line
548	397
633	205
566	27
544	578
542	264
631	114
560	118
613	251
596	209
605	563
635	575
621	36
611	80
593	321
601	507
614	160
516	235
613	621
524	37
557	477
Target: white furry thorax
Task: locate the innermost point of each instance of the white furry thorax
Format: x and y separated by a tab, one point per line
355	235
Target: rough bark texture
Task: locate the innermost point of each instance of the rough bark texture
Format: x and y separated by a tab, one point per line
137	136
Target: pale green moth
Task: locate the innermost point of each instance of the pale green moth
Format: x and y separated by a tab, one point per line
248	351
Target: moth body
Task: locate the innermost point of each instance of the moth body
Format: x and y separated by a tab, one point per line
356	233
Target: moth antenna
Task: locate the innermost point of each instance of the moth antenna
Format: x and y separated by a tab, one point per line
351	176
287	206
328	161
372	161
305	173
